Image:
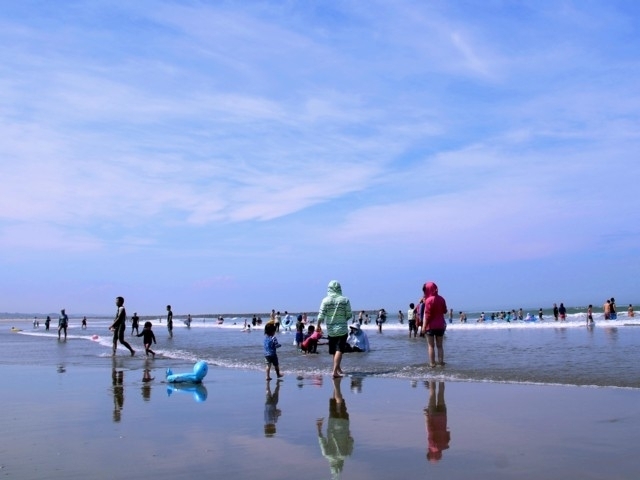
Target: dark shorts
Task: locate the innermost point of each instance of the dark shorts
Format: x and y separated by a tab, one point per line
412	326
272	359
338	344
118	334
435	332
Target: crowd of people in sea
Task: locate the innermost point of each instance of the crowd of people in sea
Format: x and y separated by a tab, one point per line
344	334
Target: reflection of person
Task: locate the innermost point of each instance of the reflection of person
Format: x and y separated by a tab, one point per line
146	387
433	322
357	341
63	323
170	321
335	310
148	337
271	410
118	327
438	436
117	383
338	444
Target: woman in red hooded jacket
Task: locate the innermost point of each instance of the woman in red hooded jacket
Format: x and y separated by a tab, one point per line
434	322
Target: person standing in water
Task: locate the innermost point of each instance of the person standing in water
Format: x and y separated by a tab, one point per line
335	310
118	327
170	321
433	322
63	323
135	322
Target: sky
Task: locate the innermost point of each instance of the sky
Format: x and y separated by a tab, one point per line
237	156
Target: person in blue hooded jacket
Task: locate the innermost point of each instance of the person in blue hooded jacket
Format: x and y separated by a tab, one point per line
335	311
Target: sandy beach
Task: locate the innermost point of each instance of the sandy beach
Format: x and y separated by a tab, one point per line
120	422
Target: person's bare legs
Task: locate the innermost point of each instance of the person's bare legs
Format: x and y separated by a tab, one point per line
431	350
439	345
337	359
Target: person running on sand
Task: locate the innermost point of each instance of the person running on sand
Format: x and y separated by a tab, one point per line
434	323
335	310
148	337
119	325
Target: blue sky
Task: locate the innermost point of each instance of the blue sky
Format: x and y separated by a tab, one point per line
237	156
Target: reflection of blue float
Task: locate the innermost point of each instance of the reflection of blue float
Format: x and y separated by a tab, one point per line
198	390
200	370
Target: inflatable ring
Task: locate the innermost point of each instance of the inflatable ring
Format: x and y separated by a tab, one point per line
287	323
200	370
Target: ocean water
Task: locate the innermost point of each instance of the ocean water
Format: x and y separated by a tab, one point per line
547	352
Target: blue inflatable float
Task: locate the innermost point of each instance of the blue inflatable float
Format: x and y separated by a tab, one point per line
200	370
198	390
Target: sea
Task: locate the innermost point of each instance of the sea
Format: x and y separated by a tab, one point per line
545	352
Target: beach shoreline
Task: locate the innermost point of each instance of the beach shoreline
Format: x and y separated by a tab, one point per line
120	420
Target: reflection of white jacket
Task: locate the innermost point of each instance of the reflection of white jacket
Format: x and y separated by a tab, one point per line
357	338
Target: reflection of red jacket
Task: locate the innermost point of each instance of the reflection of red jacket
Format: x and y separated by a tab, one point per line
437	434
435	308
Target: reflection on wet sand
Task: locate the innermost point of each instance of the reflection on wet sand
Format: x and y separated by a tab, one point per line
271	410
438	435
338	442
117	385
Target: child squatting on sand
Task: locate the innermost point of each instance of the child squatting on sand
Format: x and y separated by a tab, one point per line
270	346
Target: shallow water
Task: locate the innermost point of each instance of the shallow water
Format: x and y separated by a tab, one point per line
555	353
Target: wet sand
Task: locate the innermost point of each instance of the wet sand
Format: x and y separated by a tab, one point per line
121	422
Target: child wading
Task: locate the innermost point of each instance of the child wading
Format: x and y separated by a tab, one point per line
148	337
270	346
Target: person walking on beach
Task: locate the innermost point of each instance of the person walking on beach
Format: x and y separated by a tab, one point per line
135	321
148	337
270	345
119	326
170	321
335	310
433	322
63	323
